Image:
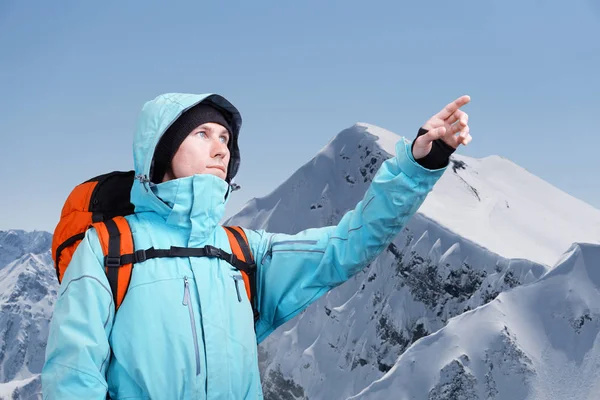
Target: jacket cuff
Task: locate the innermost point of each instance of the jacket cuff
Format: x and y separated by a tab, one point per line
409	166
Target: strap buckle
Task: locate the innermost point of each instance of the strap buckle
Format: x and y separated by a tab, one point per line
140	256
113	262
211	251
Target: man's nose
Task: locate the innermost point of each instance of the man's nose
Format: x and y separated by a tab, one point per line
219	149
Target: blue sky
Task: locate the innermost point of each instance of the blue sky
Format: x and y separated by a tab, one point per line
74	76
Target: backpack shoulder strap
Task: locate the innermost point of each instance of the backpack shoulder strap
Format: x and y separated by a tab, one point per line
116	239
240	247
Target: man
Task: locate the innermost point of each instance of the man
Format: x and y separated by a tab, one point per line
184	331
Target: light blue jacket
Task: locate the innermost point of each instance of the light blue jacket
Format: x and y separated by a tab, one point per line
182	332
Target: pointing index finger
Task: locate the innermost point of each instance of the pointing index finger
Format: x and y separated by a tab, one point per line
452	107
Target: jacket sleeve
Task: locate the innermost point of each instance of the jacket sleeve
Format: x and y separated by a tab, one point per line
77	353
295	270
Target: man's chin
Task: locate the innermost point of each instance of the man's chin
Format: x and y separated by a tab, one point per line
216	172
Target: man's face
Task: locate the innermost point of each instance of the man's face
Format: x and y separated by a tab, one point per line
204	151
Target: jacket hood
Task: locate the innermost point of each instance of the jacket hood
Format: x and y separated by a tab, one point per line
174	200
159	114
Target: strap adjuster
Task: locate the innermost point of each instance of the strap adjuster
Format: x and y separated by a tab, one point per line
113	262
140	256
211	251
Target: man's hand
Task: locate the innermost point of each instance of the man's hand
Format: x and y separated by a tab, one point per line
450	125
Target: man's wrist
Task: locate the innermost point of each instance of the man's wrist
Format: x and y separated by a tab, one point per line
438	157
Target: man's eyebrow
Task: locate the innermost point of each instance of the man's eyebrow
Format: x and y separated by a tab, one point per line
210	128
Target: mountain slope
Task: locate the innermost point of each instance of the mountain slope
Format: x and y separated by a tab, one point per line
540	341
15	244
28	289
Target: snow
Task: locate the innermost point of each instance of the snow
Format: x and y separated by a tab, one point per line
28	290
17	243
7	389
512	212
538	341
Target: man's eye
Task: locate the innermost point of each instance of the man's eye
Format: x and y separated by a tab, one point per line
202	133
224	139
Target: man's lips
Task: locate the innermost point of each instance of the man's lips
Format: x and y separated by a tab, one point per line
218	167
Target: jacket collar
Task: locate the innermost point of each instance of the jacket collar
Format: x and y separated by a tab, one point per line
195	203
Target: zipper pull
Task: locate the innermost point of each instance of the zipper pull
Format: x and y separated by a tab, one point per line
237	289
186	291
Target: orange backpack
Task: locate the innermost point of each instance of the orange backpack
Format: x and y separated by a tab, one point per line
102	202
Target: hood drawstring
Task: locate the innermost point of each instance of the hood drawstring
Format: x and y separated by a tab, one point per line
143	179
232	187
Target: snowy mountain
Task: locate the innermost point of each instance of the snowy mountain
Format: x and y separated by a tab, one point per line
538	341
14	244
489	230
457	254
28	289
490	201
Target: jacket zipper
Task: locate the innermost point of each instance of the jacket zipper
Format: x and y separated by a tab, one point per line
187	302
236	279
270	251
294	242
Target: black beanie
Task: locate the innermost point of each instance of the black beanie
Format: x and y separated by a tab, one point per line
178	131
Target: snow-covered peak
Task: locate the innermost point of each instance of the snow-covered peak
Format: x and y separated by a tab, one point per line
490	201
538	341
505	208
385	139
321	190
16	243
28	280
28	288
